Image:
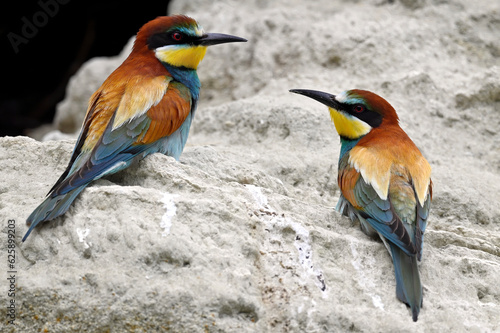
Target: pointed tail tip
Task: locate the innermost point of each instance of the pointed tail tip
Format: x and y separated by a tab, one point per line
27	234
31	225
415	311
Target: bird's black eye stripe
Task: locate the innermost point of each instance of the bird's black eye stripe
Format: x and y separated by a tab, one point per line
170	38
373	119
362	112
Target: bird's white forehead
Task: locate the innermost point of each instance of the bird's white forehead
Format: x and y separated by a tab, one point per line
342	97
199	30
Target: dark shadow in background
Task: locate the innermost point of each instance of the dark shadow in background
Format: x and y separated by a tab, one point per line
62	36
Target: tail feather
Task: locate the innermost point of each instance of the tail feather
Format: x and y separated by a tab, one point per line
51	208
408	286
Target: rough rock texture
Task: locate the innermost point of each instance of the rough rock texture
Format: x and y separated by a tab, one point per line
241	235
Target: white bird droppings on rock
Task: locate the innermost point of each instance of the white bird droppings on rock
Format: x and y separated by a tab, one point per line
82	234
170	211
274	219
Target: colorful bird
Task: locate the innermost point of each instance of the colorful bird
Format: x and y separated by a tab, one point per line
385	181
145	106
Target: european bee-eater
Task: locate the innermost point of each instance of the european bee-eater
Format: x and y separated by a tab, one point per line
145	106
385	181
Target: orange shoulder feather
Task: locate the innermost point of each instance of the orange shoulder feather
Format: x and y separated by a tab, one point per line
347	179
169	114
384	148
139	83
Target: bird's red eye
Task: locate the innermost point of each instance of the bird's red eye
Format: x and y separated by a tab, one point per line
358	108
177	36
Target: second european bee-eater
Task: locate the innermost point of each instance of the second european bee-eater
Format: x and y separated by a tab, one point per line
145	106
385	181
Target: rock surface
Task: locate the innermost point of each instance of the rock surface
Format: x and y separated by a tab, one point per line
241	235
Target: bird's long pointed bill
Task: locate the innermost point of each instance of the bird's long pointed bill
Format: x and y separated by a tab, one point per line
322	97
214	38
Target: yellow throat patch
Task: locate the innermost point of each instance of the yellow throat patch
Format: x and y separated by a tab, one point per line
181	56
348	126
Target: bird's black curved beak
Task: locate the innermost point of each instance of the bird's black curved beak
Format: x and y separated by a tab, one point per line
322	97
214	38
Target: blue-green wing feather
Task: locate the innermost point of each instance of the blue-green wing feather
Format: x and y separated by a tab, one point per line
380	214
422	215
404	240
113	152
